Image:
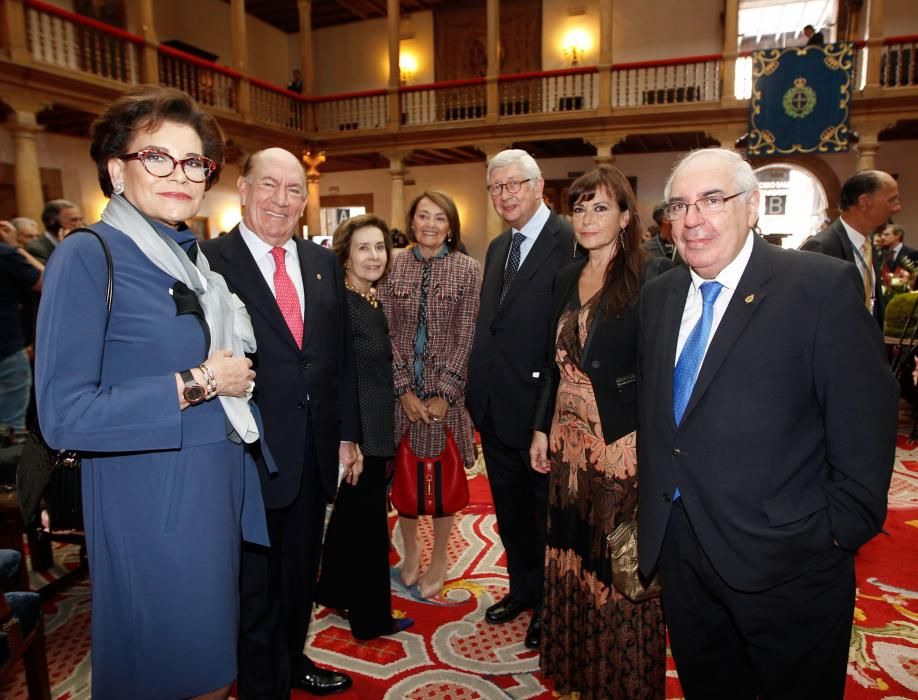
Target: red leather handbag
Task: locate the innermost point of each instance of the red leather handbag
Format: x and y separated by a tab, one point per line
429	485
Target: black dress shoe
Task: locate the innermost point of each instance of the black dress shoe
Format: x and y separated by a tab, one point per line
321	681
506	609
534	633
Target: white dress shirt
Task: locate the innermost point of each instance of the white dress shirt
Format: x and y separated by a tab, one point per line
530	231
729	277
261	251
857	240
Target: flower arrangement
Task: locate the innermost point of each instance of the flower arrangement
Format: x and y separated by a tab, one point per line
900	280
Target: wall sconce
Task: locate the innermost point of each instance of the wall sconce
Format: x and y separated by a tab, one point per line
407	67
574	45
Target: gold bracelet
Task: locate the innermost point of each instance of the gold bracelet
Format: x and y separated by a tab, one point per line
210	379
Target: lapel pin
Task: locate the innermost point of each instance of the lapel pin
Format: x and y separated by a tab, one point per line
318	275
750	299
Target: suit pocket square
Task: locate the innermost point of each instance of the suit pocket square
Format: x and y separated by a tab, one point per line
186	301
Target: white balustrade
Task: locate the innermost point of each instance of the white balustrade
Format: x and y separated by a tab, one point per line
210	85
59	41
663	83
349	113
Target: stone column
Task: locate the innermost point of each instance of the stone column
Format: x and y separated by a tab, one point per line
307	63
492	86
494	225
605	57
867	149
604	143
397	171
241	55
26	173
149	56
730	53
876	12
13	32
393	18
726	137
313	201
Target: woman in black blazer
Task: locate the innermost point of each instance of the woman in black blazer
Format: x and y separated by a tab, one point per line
594	640
355	557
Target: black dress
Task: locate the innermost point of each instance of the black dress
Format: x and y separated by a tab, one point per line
355	556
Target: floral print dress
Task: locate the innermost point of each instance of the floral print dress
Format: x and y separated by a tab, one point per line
594	640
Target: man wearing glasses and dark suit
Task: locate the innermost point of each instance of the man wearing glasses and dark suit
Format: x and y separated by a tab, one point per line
511	338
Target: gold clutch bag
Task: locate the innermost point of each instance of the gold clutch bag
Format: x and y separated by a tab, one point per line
626	575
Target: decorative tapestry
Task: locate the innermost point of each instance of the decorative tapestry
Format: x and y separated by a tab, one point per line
801	99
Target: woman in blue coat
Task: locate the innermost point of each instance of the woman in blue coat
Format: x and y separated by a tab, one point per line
156	390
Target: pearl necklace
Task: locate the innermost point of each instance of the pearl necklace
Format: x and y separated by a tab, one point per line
369	296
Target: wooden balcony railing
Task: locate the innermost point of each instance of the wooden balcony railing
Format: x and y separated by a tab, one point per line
275	105
667	82
899	65
452	101
68	41
356	110
58	38
208	83
568	90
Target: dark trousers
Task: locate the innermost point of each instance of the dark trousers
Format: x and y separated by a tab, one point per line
789	642
277	586
521	504
355	557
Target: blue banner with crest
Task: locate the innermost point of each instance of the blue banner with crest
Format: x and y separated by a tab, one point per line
801	100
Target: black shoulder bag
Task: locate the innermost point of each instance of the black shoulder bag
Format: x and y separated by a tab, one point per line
57	475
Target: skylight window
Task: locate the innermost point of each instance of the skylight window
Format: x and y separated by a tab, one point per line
767	24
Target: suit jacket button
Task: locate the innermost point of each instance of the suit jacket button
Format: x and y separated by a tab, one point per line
301	405
676	452
666	498
493	332
595	364
305	364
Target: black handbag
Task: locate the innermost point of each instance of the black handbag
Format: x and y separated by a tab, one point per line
57	475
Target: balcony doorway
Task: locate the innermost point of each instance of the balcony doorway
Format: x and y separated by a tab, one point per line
793	204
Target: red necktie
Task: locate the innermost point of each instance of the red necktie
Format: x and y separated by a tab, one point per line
287	299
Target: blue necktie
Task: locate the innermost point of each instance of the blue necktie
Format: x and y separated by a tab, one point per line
513	264
689	363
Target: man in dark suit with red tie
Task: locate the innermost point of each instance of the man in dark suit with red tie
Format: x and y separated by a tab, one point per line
511	339
307	394
766	445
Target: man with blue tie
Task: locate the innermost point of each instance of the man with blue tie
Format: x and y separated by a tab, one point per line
768	423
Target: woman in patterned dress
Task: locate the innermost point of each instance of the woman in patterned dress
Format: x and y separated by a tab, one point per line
595	641
431	300
355	555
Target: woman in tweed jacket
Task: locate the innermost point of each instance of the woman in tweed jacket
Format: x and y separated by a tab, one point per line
431	301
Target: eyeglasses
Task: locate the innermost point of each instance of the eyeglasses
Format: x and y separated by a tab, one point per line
159	164
512	187
712	204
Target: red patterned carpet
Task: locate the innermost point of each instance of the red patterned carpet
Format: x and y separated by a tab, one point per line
452	653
